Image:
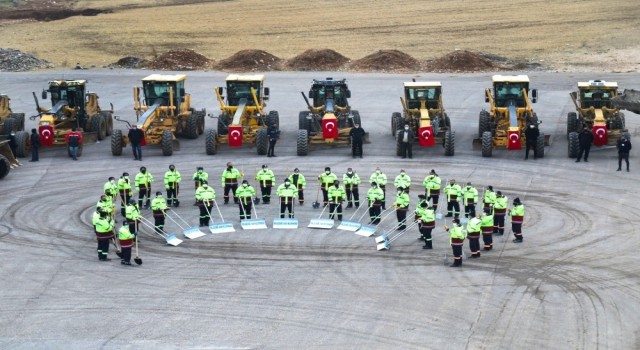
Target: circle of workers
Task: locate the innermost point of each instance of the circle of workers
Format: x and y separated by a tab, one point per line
466	222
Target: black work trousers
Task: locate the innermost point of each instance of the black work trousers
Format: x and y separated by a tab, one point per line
585	151
406	149
533	147
232	188
245	208
288	206
335	208
353	196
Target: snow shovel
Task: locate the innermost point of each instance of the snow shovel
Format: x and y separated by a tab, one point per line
252	224
189	232
370	230
222	227
137	259
349	225
321	223
316	204
287	223
169	237
384	241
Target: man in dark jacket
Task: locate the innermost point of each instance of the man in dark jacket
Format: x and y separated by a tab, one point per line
35	145
135	137
406	142
356	134
531	134
624	146
273	135
585	139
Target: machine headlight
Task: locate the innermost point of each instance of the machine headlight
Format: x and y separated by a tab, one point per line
44	124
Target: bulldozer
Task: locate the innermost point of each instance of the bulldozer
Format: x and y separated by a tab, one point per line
510	113
329	118
243	119
595	110
164	114
424	112
72	107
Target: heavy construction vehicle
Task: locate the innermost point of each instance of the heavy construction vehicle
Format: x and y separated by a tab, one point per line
7	159
72	107
329	118
243	119
510	113
424	112
164	114
9	121
594	110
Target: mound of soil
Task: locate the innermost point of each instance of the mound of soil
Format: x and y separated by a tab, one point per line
130	62
250	60
386	61
316	60
184	59
12	60
465	61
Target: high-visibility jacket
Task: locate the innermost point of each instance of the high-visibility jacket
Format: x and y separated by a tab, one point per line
144	180
402	201
110	188
132	212
486	223
298	180
266	177
327	180
200	176
230	176
286	193
456	235
474	225
205	193
489	197
124	184
159	203
351	181
104	228
432	184
453	192
125	236
374	194
500	206
337	194
402	180
470	195
517	214
171	179
245	193
106	205
426	214
379	178
94	218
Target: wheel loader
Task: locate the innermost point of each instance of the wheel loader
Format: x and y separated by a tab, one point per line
329	117
9	121
243	118
423	111
510	113
72	107
164	114
595	111
7	158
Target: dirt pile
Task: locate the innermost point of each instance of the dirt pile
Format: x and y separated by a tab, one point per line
130	62
184	59
464	61
386	61
12	60
317	60
250	60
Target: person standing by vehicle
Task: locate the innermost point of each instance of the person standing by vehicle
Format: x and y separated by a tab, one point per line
267	179
136	136
351	180
531	134
624	146
585	139
74	140
406	142
298	180
357	135
273	134
35	145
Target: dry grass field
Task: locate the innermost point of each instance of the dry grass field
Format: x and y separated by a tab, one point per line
563	34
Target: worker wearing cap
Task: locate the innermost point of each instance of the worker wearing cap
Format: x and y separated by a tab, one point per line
245	194
470	198
124	189
426	217
133	216
489	199
402	206
380	179
110	189
432	183
144	179
326	180
517	218
375	196
298	180
266	179
159	207
126	237
486	226
453	192
356	134
402	180
456	238
105	204
230	178
499	212
136	137
205	196
172	180
287	195
199	176
104	233
336	196
474	229
351	180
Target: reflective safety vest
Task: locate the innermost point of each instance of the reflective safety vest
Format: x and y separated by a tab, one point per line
159	203
266	177
457	235
489	197
380	179
104	225
298	180
205	193
124	184
374	194
286	193
337	194
486	223
432	183
230	176
132	212
327	180
470	195
500	206
473	225
517	214
200	176
453	192
426	214
402	201
106	205
351	181
245	192
110	189
125	236
171	178
402	181
144	180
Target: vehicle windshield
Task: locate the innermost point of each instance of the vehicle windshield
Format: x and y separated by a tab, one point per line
509	91
423	93
597	98
159	89
72	94
324	92
237	90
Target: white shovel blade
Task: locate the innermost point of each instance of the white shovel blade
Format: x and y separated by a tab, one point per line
438	216
382	238
253	224
285	223
366	231
221	228
352	226
321	223
193	233
173	240
382	246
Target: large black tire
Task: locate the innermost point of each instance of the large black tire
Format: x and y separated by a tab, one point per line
18	121
99	126
23	144
223	128
395	116
192	127
572	123
356	119
540	145
449	143
108	120
447	121
262	142
487	144
399	125
303	122
5	166
303	142
273	119
211	142
616	123
117	143
484	123
398	144
8	126
201	114
573	144
167	143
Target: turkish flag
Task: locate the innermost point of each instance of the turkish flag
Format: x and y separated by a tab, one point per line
235	135
46	135
600	135
514	140
329	126
426	136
